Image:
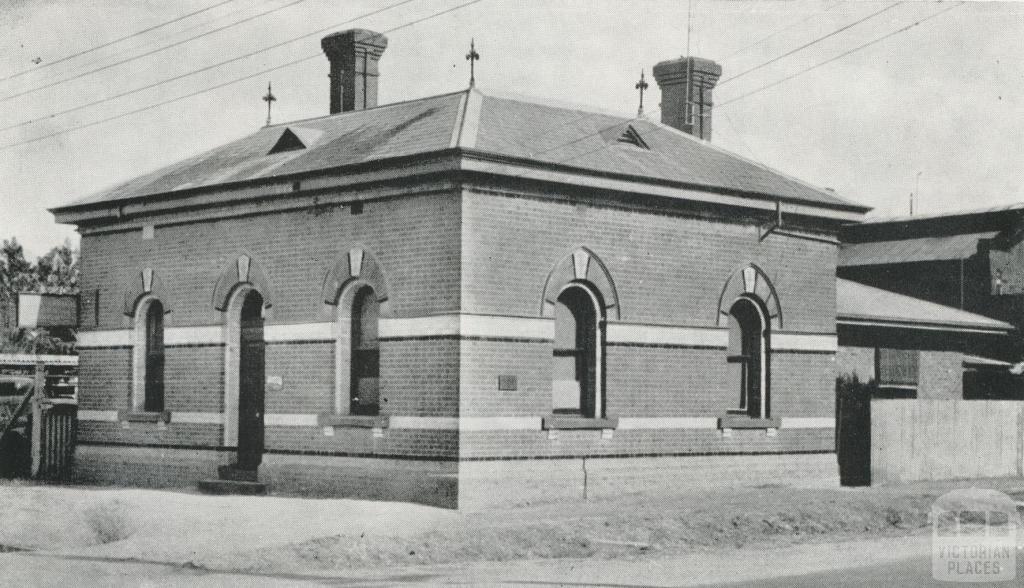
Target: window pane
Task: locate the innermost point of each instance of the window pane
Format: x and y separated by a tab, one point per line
897	367
154	392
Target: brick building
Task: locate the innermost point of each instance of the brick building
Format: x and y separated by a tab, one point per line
420	300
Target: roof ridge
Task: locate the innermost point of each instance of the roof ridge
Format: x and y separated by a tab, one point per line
468	121
353	112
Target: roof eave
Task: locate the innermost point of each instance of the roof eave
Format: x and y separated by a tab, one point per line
885	322
530	168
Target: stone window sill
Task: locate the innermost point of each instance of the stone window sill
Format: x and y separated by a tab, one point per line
350	421
138	416
742	421
562	421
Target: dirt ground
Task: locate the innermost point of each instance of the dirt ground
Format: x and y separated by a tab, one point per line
278	535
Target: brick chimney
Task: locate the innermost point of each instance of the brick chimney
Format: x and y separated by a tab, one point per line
693	117
353	55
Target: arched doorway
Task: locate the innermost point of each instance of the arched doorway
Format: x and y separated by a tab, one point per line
251	378
577	353
748	356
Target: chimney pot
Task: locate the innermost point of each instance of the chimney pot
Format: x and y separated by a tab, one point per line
691	115
353	56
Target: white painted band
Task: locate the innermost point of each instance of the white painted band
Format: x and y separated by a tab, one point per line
499	423
118	338
808	422
804	342
436	423
424	326
197	418
468	325
300	332
206	335
471	325
465	423
667	335
290	420
29	359
109	416
668	423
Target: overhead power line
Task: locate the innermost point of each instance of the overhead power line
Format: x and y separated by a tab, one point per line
840	56
205	68
224	84
154	51
115	41
153	42
806	45
661	129
779	31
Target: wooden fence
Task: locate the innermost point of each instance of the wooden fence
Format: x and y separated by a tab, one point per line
945	439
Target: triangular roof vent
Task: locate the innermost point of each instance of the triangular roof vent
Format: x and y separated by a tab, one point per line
288	141
632	137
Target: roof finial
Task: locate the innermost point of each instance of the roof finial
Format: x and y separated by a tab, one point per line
269	98
641	85
472	56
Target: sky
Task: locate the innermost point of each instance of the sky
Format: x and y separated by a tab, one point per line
937	109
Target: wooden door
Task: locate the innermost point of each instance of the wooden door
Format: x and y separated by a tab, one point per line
251	383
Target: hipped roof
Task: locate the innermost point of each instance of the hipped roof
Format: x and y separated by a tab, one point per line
474	122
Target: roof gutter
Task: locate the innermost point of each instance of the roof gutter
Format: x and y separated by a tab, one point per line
855	321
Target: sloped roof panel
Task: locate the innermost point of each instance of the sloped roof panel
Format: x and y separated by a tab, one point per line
859	302
944	248
504	127
395	130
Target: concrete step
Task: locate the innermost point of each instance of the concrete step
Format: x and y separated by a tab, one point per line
239	487
230	472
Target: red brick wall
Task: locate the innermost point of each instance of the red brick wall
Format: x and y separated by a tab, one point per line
668	269
415	240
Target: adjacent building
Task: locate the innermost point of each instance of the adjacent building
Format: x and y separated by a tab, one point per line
913	348
971	260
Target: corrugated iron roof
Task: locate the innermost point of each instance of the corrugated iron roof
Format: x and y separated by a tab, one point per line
979	361
861	303
942	248
503	126
1016	206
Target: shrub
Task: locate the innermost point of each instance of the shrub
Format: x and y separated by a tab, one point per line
109	521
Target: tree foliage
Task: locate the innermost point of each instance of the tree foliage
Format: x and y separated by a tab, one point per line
56	272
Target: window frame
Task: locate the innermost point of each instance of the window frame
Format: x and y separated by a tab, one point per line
143	385
764	357
898	385
596	392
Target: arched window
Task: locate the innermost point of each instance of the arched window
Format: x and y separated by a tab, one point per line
365	353
576	386
154	396
149	355
748	355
